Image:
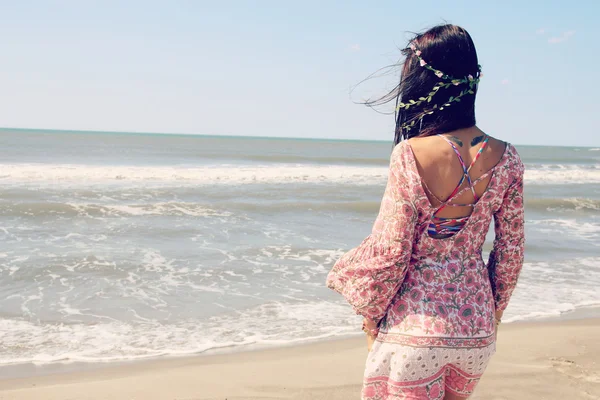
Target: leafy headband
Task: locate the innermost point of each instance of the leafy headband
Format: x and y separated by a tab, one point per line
447	81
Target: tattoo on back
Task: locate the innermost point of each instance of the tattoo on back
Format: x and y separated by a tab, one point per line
476	140
456	140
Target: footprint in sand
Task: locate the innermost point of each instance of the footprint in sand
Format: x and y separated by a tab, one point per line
573	370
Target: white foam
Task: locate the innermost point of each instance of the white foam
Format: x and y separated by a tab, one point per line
289	173
156	285
72	174
270	324
273	323
577	204
160	208
563	174
547	289
587	231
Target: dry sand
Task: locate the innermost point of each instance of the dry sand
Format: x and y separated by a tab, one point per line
546	360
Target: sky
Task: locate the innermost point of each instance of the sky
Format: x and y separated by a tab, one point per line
285	68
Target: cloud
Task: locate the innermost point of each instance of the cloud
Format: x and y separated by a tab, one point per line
355	47
562	38
505	81
540	31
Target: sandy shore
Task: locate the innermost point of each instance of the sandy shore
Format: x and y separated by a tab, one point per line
551	360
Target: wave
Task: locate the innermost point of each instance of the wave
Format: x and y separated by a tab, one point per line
567	204
562	174
67	210
358	207
115	341
275	323
67	174
553	288
76	327
290	158
588	232
540	160
225	174
544	291
110	210
227	208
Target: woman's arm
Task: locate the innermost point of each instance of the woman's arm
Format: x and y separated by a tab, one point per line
370	275
506	258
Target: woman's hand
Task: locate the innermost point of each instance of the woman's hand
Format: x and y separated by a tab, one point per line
370	341
370	327
497	319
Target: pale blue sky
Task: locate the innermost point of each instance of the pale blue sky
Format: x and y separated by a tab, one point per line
284	68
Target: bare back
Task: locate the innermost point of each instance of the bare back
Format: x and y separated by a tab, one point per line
441	170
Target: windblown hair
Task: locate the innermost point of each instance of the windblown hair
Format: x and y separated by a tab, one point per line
447	48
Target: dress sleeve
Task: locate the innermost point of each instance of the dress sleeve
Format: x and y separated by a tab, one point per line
370	275
506	258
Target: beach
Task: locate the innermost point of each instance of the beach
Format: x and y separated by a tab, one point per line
543	360
131	263
181	182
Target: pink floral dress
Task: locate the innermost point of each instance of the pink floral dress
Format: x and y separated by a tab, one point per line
436	298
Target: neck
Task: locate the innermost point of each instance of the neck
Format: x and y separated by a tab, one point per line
466	133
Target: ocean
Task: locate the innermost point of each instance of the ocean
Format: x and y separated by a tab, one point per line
120	246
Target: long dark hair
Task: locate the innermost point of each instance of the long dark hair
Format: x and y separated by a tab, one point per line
448	48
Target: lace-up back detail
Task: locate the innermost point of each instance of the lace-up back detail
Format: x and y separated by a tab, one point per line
441	227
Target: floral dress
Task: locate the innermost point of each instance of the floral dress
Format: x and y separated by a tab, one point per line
436	298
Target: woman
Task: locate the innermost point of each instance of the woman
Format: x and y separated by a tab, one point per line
431	305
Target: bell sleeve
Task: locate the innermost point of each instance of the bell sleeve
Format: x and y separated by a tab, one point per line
370	275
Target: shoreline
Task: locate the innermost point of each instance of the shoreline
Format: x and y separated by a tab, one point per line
32	370
534	360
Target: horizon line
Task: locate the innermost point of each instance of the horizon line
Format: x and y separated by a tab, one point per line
231	136
190	134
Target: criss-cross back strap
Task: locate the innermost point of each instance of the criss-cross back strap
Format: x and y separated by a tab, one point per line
465	175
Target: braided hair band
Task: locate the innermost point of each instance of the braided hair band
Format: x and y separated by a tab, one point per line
446	82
